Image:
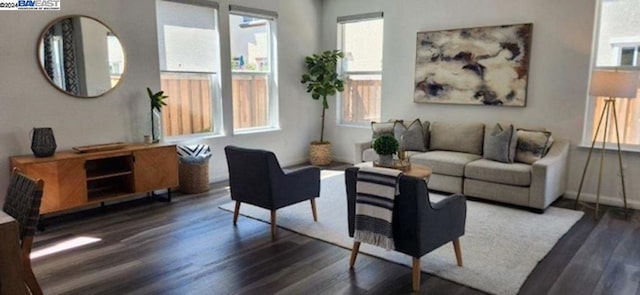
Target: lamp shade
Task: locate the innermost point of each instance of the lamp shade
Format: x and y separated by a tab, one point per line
614	84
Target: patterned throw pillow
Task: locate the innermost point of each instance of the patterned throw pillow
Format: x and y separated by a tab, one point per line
500	144
532	145
410	137
381	128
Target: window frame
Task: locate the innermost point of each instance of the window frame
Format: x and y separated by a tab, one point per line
273	114
216	109
589	119
343	73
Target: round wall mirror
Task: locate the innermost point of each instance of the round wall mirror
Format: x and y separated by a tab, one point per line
81	56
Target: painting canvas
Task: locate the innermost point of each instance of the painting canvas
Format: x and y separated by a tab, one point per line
481	66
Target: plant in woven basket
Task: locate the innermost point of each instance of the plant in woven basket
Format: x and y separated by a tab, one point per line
322	79
386	145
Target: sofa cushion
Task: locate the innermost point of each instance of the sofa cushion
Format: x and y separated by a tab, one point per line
369	155
532	145
426	127
500	143
492	171
460	137
411	137
445	162
381	128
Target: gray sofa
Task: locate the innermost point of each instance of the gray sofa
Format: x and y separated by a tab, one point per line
455	156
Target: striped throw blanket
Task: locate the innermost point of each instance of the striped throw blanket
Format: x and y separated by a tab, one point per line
375	192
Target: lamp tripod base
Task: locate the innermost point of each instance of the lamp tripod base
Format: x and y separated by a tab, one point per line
608	109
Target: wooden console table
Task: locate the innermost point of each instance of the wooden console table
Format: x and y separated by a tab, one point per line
11	272
73	179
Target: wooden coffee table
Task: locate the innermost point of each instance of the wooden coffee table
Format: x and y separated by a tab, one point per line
416	170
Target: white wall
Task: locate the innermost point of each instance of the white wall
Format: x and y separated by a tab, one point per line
27	99
558	73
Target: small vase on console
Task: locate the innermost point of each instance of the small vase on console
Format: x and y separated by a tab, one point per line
43	144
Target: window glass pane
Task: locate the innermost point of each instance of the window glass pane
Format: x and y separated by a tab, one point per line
618	38
188	46
251	71
619	26
362	45
188	109
626	57
187	37
361	41
361	99
249	43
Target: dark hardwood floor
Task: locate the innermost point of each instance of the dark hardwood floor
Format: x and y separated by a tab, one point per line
189	246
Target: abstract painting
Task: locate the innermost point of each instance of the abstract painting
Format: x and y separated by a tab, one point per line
482	66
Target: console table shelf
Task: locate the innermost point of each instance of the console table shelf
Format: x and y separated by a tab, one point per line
108	175
74	179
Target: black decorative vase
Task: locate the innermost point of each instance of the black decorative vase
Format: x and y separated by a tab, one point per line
43	144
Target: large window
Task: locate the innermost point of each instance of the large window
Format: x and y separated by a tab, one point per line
188	44
616	47
360	39
253	69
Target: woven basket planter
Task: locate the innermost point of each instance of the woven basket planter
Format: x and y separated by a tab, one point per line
320	154
194	178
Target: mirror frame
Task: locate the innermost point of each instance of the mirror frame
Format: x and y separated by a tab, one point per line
41	62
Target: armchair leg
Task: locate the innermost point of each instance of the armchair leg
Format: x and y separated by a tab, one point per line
236	212
456	248
313	210
416	274
29	277
354	254
273	225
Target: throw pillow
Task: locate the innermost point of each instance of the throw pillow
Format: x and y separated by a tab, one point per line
411	138
532	145
500	144
427	135
380	129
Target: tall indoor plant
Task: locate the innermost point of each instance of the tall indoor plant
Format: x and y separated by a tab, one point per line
321	79
157	102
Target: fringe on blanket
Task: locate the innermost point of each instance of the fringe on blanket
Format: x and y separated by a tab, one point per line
374	239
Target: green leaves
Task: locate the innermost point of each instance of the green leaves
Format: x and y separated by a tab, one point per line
386	145
157	99
322	77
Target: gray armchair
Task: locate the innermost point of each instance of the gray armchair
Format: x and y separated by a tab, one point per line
256	178
419	226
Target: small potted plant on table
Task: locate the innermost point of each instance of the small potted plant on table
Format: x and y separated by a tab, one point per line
385	146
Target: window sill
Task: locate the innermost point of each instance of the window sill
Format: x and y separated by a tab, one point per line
610	147
368	126
256	130
192	137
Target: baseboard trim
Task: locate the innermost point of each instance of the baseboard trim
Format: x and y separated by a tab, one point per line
225	176
342	159
606	200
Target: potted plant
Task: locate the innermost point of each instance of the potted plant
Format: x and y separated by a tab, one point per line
385	146
322	80
157	102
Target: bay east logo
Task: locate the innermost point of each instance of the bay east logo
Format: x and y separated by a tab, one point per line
31	5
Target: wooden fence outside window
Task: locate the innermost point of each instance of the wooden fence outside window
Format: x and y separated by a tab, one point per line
189	106
361	101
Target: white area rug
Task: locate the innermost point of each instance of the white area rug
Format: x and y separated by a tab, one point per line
500	248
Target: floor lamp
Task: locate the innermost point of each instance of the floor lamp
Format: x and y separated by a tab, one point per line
611	85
